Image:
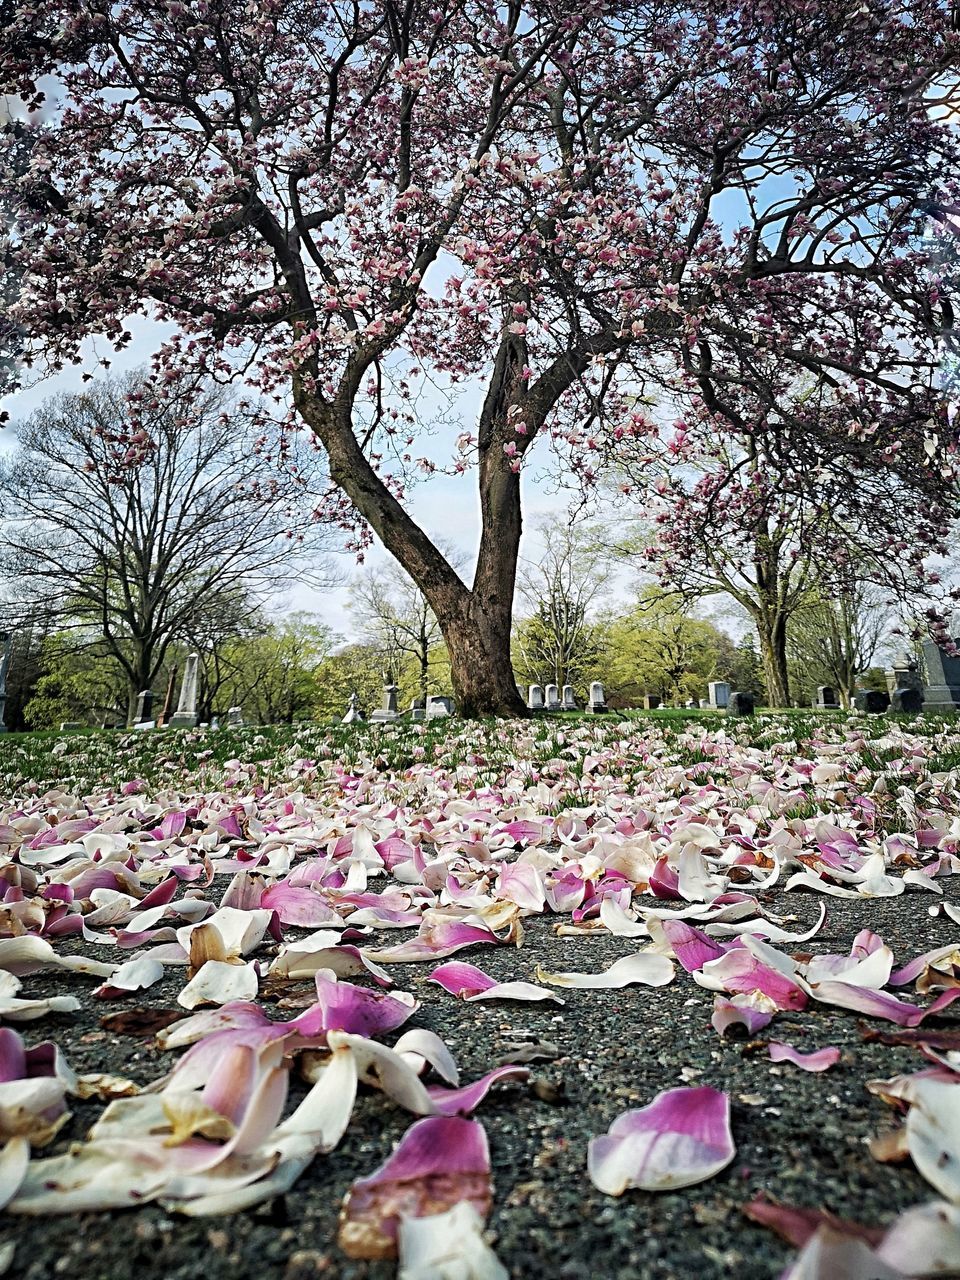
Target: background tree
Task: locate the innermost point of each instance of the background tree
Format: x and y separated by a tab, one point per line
275	677
834	639
357	668
557	637
133	550
658	647
561	204
750	507
216	633
88	687
395	616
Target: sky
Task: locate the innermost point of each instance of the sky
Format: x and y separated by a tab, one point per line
445	506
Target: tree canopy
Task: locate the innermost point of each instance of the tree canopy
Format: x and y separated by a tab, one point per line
563	205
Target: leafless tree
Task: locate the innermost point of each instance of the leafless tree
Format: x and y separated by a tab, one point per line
838	635
135	528
396	617
558	591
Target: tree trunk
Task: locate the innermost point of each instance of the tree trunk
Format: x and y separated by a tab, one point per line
476	622
424	667
478	641
773	652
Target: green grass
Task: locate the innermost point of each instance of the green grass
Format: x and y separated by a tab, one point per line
486	752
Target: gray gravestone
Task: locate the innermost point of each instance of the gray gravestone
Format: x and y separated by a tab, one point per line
439	706
389	709
535	698
826	699
718	692
185	716
551	697
597	703
741	704
910	700
568	701
873	701
943	679
650	702
144	707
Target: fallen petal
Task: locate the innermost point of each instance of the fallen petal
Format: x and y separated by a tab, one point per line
681	1138
818	1060
439	1162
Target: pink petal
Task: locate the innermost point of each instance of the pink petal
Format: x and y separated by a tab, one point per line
299	907
818	1060
744	1010
739	970
434	942
439	1162
692	947
461	979
343	1007
880	1004
832	1255
520	882
664	881
681	1138
467	1098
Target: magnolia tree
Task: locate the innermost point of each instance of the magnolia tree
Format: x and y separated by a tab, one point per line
559	205
795	504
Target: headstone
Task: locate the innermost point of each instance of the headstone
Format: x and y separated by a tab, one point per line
234	717
568	702
551	695
943	679
691	704
826	699
718	692
185	716
535	698
597	703
144	708
650	702
145	724
67	725
418	710
438	706
873	701
389	709
6	648
741	704
910	700
354	711
705	704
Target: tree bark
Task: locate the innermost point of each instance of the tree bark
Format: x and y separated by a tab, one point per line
478	641
773	653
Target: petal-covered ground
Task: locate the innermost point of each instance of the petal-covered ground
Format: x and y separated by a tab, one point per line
660	995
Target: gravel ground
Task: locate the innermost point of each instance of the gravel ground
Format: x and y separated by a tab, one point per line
801	1138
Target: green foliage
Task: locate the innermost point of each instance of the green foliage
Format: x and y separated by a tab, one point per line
658	648
277	677
88	687
541	655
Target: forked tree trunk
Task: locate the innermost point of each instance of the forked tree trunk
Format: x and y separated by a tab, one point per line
475	621
478	642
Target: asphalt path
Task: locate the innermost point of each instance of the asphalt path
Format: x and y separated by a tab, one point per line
801	1138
